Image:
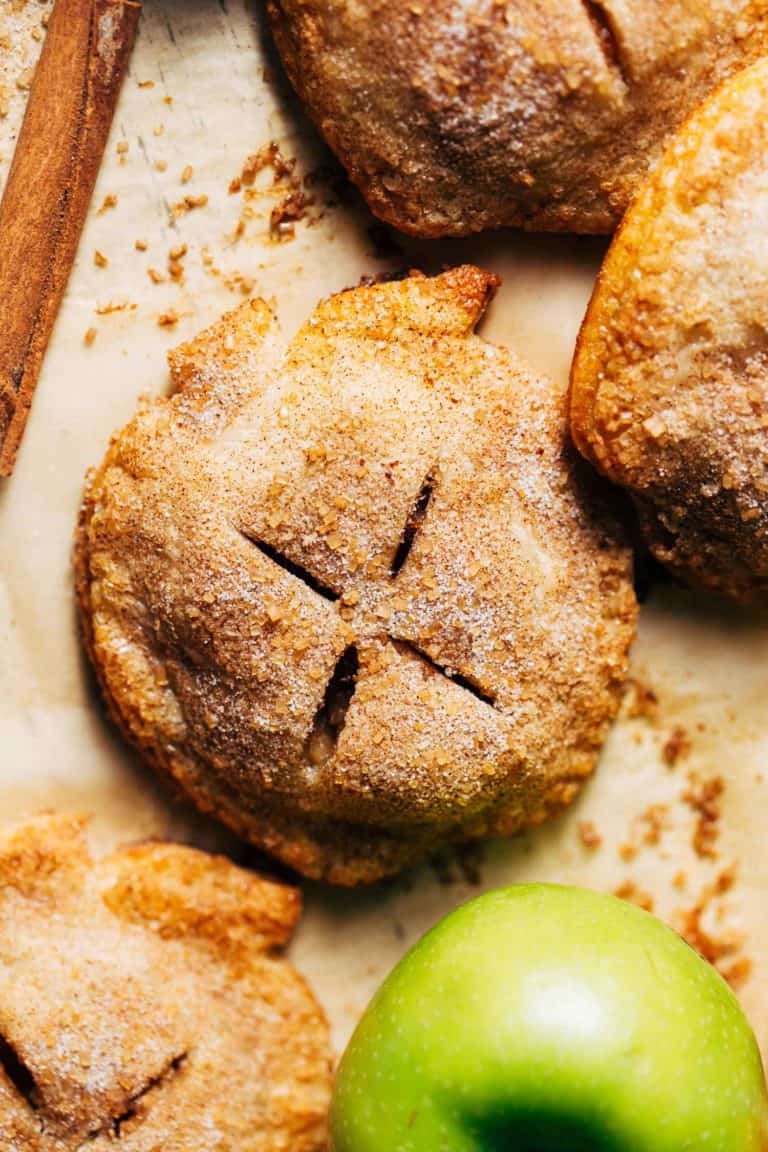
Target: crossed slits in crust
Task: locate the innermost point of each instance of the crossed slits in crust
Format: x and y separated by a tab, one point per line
87	1037
330	718
84	1030
129	986
350	511
432	505
50	1127
353	583
256	616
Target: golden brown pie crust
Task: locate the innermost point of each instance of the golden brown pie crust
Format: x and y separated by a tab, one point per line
144	1000
456	115
670	379
358	598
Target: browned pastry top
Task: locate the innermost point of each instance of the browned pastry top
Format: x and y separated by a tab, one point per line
670	383
457	115
144	1003
357	597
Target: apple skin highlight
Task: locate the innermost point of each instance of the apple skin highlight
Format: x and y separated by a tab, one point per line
541	1018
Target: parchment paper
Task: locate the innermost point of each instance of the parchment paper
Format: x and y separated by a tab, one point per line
217	95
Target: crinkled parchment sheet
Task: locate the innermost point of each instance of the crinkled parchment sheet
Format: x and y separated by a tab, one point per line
204	92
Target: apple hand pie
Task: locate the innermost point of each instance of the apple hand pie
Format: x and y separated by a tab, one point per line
144	1002
670	380
456	116
358	597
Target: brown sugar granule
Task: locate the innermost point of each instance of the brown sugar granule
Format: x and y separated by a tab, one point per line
109	201
589	835
5	100
676	747
161	165
651	823
99	259
738	973
295	204
114	306
642	701
285	215
713	948
725	880
237	282
141	245
628	852
268	156
176	270
89	337
719	949
122	147
188	204
24	79
175	266
155	276
704	797
146	84
633	894
187	174
168	319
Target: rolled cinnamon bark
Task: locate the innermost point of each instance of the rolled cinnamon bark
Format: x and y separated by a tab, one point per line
49	188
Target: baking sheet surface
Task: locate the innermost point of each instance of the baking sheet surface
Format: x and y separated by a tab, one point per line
675	815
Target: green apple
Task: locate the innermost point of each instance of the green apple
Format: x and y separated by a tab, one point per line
548	1019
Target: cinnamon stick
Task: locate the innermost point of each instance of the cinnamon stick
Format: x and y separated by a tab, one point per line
50	185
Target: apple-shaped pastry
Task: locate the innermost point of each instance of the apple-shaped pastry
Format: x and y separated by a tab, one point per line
540	1018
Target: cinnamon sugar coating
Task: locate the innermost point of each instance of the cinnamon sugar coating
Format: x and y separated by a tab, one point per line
358	597
144	1001
453	117
670	380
